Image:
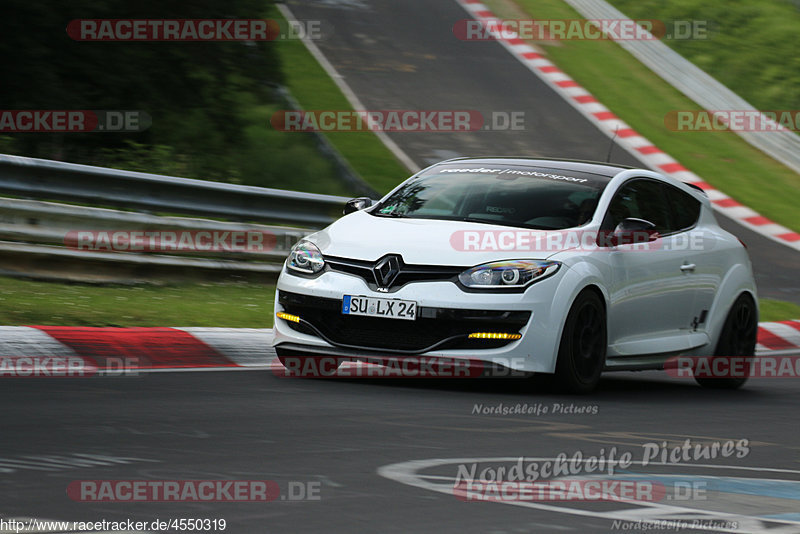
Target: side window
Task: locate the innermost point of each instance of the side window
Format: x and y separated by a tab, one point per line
640	199
685	208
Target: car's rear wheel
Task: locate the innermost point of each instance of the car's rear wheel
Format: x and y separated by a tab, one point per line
738	338
582	352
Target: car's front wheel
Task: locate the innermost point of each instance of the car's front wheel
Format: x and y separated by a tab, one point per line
582	352
738	339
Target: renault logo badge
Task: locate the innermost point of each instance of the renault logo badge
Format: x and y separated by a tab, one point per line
386	270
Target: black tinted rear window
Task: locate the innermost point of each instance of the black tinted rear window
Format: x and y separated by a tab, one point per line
685	208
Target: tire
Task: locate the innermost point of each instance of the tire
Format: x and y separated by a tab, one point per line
582	351
738	338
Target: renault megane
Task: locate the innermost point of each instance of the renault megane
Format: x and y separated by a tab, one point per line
543	266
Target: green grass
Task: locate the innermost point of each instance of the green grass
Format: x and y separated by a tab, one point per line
314	90
777	310
29	302
642	99
751	47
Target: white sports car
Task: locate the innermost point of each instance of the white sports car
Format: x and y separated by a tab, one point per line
537	265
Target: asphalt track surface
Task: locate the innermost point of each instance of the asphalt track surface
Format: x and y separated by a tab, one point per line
337	436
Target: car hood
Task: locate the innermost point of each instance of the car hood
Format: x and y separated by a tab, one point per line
363	236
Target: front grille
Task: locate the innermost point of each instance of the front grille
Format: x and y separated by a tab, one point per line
440	328
407	273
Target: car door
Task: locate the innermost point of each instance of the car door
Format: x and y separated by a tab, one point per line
702	265
649	297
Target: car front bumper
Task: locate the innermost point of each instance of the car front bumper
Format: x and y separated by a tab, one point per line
445	314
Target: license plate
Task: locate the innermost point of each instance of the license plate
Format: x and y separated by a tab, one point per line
378	307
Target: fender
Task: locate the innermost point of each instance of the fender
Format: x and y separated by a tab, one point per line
737	280
577	278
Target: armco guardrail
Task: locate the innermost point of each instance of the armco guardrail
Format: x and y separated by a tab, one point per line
55	180
685	76
48	223
33	232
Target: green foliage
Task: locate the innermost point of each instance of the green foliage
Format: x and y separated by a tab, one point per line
752	47
209	102
191	90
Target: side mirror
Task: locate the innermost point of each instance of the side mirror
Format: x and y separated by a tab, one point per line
630	231
357	204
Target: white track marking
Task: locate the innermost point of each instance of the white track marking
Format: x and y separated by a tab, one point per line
407	473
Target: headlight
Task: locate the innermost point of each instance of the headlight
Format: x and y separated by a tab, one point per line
509	274
305	258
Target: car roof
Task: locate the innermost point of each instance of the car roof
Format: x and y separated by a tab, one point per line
608	170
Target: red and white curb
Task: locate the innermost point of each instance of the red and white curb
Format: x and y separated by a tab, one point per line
138	349
627	137
197	349
779	336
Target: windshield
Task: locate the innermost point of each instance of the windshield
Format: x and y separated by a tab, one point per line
527	197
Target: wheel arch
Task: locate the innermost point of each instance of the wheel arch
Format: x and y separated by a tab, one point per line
737	281
569	293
